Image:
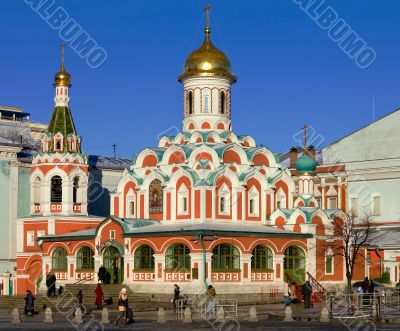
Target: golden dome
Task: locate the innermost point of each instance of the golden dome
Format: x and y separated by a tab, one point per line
207	61
62	77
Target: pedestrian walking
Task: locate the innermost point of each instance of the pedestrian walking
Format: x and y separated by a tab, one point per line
79	300
29	303
123	306
51	284
102	274
286	295
99	296
177	294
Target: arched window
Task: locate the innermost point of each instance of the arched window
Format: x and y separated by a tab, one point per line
177	257
75	190
37	190
253	201
262	258
222	102
144	258
281	199
56	189
294	263
132	208
329	262
155	197
190	102
84	258
183	198
226	257
224	200
59	259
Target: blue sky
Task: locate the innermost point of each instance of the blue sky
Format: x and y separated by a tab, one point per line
290	72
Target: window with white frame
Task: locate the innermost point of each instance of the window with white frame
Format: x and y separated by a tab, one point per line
131	206
224	200
332	203
376	204
354	206
329	262
30	238
41	233
112	234
253	201
183	198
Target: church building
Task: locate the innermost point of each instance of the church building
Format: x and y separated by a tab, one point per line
206	206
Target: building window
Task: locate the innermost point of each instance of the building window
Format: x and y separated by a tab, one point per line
376	205
41	233
30	238
177	258
206	101
75	190
183	196
281	199
332	203
155	197
190	102
262	258
329	262
56	189
58	145
112	234
253	201
223	102
224	200
132	208
59	259
354	206
226	257
144	258
85	259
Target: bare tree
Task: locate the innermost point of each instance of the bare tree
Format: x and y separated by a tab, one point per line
347	238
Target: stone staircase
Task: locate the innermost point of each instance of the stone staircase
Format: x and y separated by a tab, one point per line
138	301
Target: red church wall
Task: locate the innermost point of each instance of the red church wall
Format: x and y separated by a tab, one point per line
197	204
231	156
35	227
149	161
282	185
260	159
239	205
375	268
142	206
208	204
116	206
359	271
168	213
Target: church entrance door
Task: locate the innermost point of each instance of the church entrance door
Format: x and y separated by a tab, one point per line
114	264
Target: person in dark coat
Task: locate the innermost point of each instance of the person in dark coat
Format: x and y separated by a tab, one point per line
51	284
29	303
177	293
102	274
306	291
79	299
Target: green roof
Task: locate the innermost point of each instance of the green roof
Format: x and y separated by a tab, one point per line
305	164
62	121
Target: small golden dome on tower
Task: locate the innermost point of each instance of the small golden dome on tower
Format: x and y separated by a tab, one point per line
62	77
207	61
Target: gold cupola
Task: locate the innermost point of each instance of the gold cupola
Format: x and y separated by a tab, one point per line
62	78
207	61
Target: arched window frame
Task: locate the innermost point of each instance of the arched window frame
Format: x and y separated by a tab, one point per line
206	101
177	258
280	199
262	258
253	202
183	200
130	206
226	257
224	200
144	258
59	259
56	189
85	258
329	262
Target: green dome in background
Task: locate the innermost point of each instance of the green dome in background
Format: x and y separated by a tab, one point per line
305	164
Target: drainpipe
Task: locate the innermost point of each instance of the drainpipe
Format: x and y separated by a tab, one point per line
204	259
380	262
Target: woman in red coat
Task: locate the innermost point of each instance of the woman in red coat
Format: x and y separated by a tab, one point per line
99	296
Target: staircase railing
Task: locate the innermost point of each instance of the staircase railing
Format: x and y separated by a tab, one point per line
319	290
84	280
